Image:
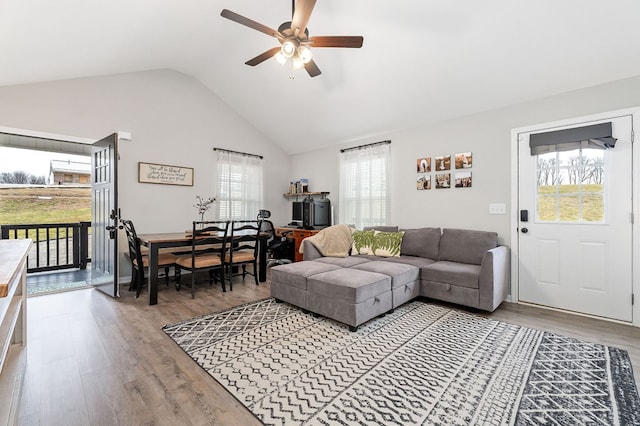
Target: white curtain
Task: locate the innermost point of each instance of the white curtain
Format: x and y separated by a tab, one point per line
364	186
240	185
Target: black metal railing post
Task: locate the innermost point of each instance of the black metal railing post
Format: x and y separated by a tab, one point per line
84	244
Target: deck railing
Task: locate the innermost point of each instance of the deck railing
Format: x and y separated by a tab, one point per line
55	246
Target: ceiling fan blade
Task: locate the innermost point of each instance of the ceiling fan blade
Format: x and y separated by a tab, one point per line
312	68
226	13
301	16
263	57
336	41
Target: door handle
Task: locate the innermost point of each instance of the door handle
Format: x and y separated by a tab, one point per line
112	231
524	230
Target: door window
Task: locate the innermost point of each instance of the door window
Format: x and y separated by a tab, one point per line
570	186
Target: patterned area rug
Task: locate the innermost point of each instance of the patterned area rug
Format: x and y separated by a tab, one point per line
422	364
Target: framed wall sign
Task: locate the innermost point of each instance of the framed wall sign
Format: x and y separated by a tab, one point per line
165	174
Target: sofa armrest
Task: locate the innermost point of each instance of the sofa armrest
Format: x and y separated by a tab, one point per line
309	251
494	278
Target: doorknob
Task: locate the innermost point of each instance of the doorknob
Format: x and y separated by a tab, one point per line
524	230
112	231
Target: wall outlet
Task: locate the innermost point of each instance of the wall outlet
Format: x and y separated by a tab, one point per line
497	208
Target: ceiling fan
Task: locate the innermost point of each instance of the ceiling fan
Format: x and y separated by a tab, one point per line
295	43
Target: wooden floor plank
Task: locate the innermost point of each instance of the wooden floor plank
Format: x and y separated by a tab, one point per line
102	361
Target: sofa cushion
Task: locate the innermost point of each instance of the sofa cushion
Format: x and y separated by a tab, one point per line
381	228
401	274
343	262
422	242
461	245
454	273
348	285
362	242
387	244
295	274
370	257
416	261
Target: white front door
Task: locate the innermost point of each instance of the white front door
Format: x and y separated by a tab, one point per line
575	246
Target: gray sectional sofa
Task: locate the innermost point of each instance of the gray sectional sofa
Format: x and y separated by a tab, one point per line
465	267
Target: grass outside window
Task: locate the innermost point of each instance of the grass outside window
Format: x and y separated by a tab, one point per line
571	203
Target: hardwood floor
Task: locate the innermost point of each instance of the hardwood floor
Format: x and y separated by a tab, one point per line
96	360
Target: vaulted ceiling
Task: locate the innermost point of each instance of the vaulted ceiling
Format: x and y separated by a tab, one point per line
422	60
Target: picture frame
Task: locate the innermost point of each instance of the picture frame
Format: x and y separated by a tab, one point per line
464	160
443	180
165	174
442	163
423	165
463	179
423	182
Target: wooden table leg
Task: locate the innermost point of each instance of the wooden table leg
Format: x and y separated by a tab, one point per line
262	260
153	274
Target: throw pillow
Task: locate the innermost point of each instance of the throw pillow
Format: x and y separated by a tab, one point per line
362	242
387	244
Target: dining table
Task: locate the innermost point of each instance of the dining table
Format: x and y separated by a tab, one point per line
163	240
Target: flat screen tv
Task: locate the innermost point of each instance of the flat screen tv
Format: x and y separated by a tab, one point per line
296	211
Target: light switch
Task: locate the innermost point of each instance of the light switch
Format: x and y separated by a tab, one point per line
497	208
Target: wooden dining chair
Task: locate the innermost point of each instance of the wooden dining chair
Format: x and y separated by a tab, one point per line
207	245
140	261
242	249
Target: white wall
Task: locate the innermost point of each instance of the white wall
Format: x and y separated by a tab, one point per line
173	119
176	120
487	136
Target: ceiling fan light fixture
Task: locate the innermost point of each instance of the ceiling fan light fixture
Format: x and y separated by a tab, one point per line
288	48
280	58
305	54
297	62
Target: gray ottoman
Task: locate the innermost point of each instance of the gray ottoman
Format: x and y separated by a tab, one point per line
405	279
289	282
350	296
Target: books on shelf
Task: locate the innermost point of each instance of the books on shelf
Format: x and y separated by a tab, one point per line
299	186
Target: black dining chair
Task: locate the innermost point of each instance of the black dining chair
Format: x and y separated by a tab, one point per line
140	261
208	241
242	249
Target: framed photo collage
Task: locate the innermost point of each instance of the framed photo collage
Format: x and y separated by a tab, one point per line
437	171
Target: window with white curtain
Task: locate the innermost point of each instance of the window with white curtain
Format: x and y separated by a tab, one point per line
364	185
240	185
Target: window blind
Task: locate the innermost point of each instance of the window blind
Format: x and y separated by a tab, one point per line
597	136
